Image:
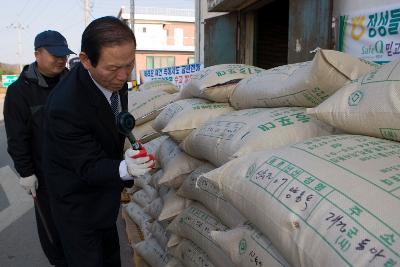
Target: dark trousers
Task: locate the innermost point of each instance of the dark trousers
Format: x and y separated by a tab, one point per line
52	248
87	246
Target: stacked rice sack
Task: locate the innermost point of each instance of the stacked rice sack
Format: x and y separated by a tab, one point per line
184	215
329	200
304	84
368	106
207	210
145	106
326	201
180	211
159	211
147	199
220	211
163	85
234	134
148	236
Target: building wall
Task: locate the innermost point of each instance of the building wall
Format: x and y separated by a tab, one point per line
201	11
181	58
187	29
163	35
150	35
173	39
170	32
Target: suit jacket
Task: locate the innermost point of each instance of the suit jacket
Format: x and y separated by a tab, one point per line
82	152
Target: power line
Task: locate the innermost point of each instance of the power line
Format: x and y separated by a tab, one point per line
22	10
71	25
34	11
42	12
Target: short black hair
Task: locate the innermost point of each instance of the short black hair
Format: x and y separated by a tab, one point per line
104	32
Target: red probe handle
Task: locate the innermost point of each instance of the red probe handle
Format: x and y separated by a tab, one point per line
143	153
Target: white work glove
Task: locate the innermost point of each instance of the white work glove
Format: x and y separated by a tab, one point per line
30	184
138	166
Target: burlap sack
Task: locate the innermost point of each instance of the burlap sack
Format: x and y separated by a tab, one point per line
154	208
152	146
151	191
216	83
160	233
299	85
368	106
195	223
172	109
155	178
175	164
240	132
143	180
207	194
163	191
137	215
144	132
133	232
138	261
173	205
173	240
328	201
154	255
178	119
132	189
246	246
160	85
145	106
142	198
190	254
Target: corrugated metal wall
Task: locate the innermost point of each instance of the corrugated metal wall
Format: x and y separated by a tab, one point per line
220	39
285	31
310	26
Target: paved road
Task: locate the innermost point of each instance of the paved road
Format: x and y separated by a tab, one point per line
19	242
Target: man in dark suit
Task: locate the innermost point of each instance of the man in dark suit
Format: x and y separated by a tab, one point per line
83	151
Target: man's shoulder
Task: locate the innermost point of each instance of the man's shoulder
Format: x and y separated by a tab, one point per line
68	86
68	94
19	87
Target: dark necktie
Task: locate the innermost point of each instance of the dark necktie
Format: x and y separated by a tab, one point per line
114	103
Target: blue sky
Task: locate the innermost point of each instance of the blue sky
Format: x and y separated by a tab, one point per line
65	16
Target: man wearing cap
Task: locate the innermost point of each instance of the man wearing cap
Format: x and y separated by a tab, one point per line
23	117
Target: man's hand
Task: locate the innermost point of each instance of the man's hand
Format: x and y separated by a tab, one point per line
137	166
30	184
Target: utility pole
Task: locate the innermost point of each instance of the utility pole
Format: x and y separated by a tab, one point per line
86	11
132	15
132	20
18	26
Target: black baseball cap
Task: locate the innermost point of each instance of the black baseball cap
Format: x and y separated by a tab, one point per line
53	42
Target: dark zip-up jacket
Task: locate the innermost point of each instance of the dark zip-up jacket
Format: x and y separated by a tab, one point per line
23	118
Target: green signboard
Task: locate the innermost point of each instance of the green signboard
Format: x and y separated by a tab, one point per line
8	79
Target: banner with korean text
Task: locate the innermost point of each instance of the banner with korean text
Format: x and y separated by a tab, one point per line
178	75
372	34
